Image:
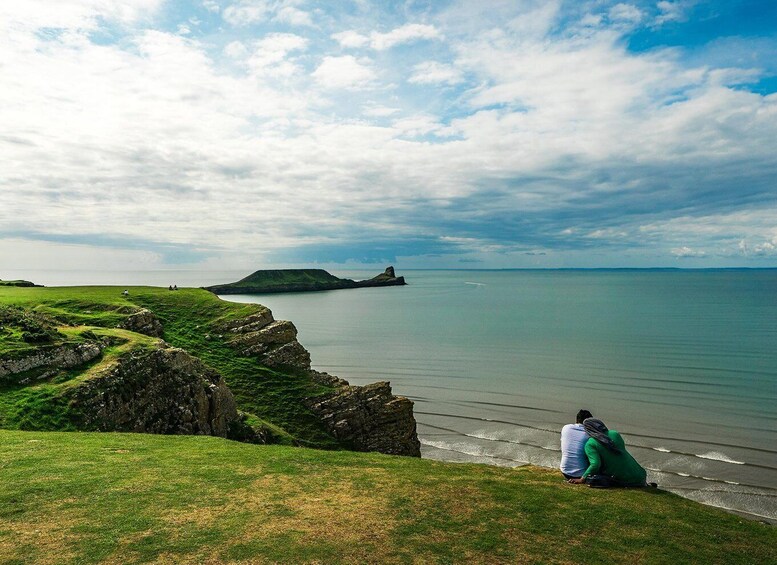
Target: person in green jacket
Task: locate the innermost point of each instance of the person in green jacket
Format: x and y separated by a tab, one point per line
607	456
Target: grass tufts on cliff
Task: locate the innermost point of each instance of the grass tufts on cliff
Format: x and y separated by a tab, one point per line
134	498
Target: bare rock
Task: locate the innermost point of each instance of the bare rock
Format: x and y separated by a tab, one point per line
143	321
273	342
369	418
163	391
60	357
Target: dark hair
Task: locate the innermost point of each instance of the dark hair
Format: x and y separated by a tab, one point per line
582	415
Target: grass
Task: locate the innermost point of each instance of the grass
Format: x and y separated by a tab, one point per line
191	320
132	498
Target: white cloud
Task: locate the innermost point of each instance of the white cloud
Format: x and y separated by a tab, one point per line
687	252
294	16
433	72
270	54
211	6
73	14
248	12
673	11
404	34
344	72
379	111
625	12
351	38
149	138
407	33
235	50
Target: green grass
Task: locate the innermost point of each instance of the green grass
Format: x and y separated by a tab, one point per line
132	498
191	320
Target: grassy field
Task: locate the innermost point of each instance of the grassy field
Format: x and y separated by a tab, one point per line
132	498
191	318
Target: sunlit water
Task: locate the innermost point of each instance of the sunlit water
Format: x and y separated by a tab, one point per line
682	363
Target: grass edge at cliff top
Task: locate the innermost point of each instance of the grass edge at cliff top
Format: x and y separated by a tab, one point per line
191	319
92	497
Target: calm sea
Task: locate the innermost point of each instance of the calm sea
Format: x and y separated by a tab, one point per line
682	363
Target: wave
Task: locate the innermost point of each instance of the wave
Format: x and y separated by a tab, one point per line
716	456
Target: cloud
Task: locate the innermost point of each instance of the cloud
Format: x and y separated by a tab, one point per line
73	14
344	72
685	251
625	12
407	33
249	12
673	11
433	72
546	138
351	38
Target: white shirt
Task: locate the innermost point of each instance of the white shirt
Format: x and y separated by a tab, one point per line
573	459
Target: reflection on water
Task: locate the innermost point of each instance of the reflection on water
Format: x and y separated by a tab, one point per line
683	363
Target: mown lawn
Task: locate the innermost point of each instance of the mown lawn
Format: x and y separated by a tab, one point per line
131	498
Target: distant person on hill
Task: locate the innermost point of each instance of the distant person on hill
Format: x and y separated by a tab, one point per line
573	438
609	464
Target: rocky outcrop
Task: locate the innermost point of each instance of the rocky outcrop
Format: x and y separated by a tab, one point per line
165	391
144	322
273	342
386	278
369	418
53	358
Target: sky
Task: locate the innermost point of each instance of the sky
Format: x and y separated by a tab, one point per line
244	134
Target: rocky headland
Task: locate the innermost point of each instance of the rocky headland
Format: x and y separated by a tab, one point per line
123	375
301	280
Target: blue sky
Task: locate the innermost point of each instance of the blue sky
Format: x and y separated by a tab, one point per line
247	133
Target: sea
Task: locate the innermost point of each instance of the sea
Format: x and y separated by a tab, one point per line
683	363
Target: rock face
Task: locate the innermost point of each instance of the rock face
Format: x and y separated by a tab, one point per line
274	342
165	391
143	322
369	418
60	357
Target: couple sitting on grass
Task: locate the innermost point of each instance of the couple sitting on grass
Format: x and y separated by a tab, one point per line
593	455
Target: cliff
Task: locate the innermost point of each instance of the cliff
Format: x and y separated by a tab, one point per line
368	418
301	280
92	359
165	391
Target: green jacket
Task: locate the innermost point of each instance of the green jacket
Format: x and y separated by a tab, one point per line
622	466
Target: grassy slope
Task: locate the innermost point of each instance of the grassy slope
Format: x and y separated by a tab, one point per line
189	317
130	498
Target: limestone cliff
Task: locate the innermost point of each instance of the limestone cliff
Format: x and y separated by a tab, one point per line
143	321
368	418
163	391
46	360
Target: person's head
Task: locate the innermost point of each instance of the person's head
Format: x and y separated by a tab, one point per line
582	415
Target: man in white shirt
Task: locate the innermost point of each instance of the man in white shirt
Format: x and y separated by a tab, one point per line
573	438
